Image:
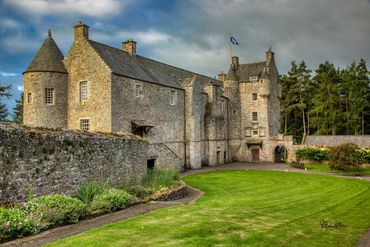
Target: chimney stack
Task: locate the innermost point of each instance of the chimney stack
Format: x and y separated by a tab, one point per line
221	76
234	62
81	31
269	56
129	46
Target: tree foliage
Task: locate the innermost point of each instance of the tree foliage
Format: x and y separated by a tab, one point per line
333	101
18	110
4	92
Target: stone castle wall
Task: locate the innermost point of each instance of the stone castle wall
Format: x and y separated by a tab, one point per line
58	161
329	140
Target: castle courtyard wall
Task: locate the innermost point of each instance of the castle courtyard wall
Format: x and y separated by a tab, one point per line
50	161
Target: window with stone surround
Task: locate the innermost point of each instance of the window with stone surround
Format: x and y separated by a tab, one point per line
173	97
262	132
254	116
49	96
255	132
29	98
253	78
138	89
85	124
254	96
84	91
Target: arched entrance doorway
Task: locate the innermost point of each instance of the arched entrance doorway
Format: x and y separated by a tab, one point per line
280	154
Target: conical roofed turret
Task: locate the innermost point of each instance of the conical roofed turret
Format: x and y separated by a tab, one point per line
48	58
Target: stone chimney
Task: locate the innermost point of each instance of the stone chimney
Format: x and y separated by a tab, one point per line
81	31
221	76
130	47
269	57
234	62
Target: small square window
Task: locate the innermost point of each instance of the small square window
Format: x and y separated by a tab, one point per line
254	96
255	132
173	97
85	124
254	116
49	96
29	98
84	92
262	132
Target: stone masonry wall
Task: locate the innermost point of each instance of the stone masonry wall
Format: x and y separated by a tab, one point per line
361	141
58	161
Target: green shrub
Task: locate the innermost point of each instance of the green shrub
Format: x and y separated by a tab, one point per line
15	223
312	153
54	210
345	157
140	191
156	179
88	191
365	156
112	200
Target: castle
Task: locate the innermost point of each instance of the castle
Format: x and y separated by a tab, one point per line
188	118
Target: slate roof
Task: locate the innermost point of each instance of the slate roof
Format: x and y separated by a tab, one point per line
246	70
48	58
141	68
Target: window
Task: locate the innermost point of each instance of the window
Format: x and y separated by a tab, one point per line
254	116
255	132
173	97
254	96
138	88
222	105
84	93
29	98
253	78
49	96
85	124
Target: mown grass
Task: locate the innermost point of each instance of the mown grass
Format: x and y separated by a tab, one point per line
248	208
325	168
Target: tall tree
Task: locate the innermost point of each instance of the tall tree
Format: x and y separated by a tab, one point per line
327	114
296	87
18	110
4	92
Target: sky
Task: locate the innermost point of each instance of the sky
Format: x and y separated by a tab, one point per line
190	34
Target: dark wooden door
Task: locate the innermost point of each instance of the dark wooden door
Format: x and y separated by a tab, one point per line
255	155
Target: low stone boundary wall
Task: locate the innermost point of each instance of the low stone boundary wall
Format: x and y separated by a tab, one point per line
362	141
54	161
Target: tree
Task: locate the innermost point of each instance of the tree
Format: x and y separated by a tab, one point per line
18	110
4	92
326	113
296	87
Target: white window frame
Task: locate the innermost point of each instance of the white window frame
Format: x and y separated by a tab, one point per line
254	116
84	91
82	128
29	98
173	97
49	99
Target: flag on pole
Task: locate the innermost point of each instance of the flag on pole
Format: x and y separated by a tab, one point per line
233	41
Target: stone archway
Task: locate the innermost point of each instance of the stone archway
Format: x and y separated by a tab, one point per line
280	154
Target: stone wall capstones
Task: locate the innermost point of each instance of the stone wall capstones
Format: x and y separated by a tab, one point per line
55	161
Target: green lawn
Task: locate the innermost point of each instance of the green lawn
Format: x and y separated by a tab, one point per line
248	208
325	168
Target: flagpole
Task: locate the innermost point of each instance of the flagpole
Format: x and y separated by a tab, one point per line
231	49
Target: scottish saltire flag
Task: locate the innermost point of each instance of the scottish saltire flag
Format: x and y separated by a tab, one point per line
233	41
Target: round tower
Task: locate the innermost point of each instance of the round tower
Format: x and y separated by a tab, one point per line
45	88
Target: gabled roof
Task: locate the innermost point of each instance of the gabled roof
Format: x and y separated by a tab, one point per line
250	69
141	68
48	58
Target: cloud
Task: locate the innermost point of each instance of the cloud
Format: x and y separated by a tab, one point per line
20	88
91	8
7	74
